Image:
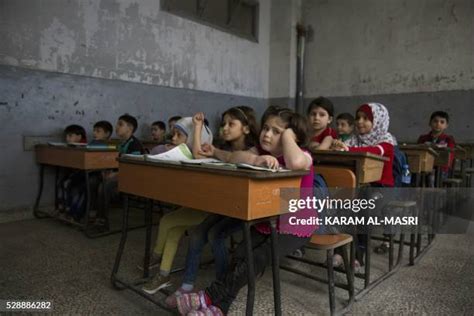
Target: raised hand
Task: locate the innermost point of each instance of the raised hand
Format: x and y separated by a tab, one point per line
198	118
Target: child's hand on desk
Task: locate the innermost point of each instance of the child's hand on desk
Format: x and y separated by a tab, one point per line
207	150
267	161
339	145
198	119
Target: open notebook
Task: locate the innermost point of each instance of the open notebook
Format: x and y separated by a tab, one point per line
247	166
182	155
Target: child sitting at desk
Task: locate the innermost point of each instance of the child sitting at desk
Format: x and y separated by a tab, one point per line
320	114
345	126
75	203
75	134
102	131
191	131
282	137
158	132
239	132
439	122
372	122
171	122
182	133
125	128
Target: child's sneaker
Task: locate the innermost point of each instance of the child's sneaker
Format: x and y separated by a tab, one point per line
190	302
171	299
155	261
157	283
207	311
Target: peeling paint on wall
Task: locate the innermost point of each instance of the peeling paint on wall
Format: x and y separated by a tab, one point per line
135	41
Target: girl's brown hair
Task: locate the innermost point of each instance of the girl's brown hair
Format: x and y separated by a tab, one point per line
246	115
298	123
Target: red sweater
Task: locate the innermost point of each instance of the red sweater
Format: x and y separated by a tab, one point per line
441	139
385	150
327	132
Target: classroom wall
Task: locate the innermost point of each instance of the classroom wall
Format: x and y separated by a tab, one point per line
64	62
133	41
285	15
413	56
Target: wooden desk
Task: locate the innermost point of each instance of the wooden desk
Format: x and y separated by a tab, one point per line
77	158
420	157
238	193
443	156
469	149
245	194
461	153
366	166
86	160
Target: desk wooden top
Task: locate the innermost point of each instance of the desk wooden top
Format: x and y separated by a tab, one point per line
418	149
77	157
239	172
243	194
366	166
336	155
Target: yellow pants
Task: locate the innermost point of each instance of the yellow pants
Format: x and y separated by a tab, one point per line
171	229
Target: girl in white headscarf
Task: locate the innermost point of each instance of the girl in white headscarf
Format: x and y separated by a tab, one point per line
183	133
372	122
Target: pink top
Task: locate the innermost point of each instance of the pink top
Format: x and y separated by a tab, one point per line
283	225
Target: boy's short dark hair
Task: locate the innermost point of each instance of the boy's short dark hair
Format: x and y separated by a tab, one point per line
321	102
174	118
105	125
347	117
298	123
441	114
75	129
127	118
161	125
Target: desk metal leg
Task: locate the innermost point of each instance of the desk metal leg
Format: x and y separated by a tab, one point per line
56	183
40	192
148	223
332	295
123	239
438	183
250	269
367	262
88	198
275	268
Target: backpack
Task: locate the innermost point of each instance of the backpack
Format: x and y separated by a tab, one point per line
399	160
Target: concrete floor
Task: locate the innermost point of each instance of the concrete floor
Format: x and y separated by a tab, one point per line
46	259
